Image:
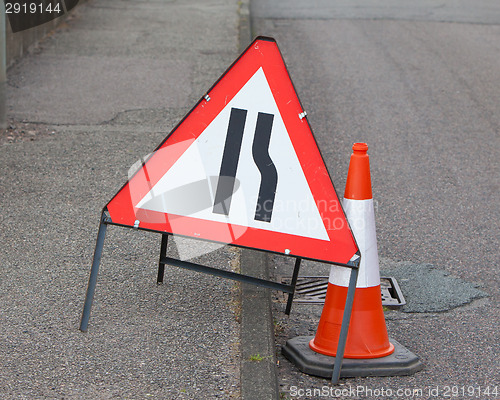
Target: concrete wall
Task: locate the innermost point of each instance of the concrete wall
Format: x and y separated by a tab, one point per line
17	44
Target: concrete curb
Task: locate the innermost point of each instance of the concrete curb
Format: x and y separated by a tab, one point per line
245	25
259	378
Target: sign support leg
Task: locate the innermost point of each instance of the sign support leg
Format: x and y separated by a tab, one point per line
345	326
93	275
163	254
292	284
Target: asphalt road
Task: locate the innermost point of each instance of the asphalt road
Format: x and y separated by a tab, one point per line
421	85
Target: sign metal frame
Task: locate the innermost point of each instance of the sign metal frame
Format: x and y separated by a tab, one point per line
106	220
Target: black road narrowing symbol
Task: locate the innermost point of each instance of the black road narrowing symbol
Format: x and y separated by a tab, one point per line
268	173
230	158
260	154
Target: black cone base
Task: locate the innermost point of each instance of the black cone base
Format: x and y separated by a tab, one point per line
401	362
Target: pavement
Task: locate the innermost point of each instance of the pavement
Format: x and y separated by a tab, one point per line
95	96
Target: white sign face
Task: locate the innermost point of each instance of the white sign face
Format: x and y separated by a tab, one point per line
242	168
245	171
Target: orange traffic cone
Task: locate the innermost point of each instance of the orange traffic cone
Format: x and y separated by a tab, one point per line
367	336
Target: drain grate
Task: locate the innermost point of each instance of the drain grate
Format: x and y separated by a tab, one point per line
392	296
312	290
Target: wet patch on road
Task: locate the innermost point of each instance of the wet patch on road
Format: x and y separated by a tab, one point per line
427	288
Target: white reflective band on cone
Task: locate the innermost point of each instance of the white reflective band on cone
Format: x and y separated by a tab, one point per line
361	217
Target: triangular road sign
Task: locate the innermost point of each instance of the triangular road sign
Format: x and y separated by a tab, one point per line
242	168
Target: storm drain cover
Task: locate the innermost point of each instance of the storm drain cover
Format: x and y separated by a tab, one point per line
312	290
